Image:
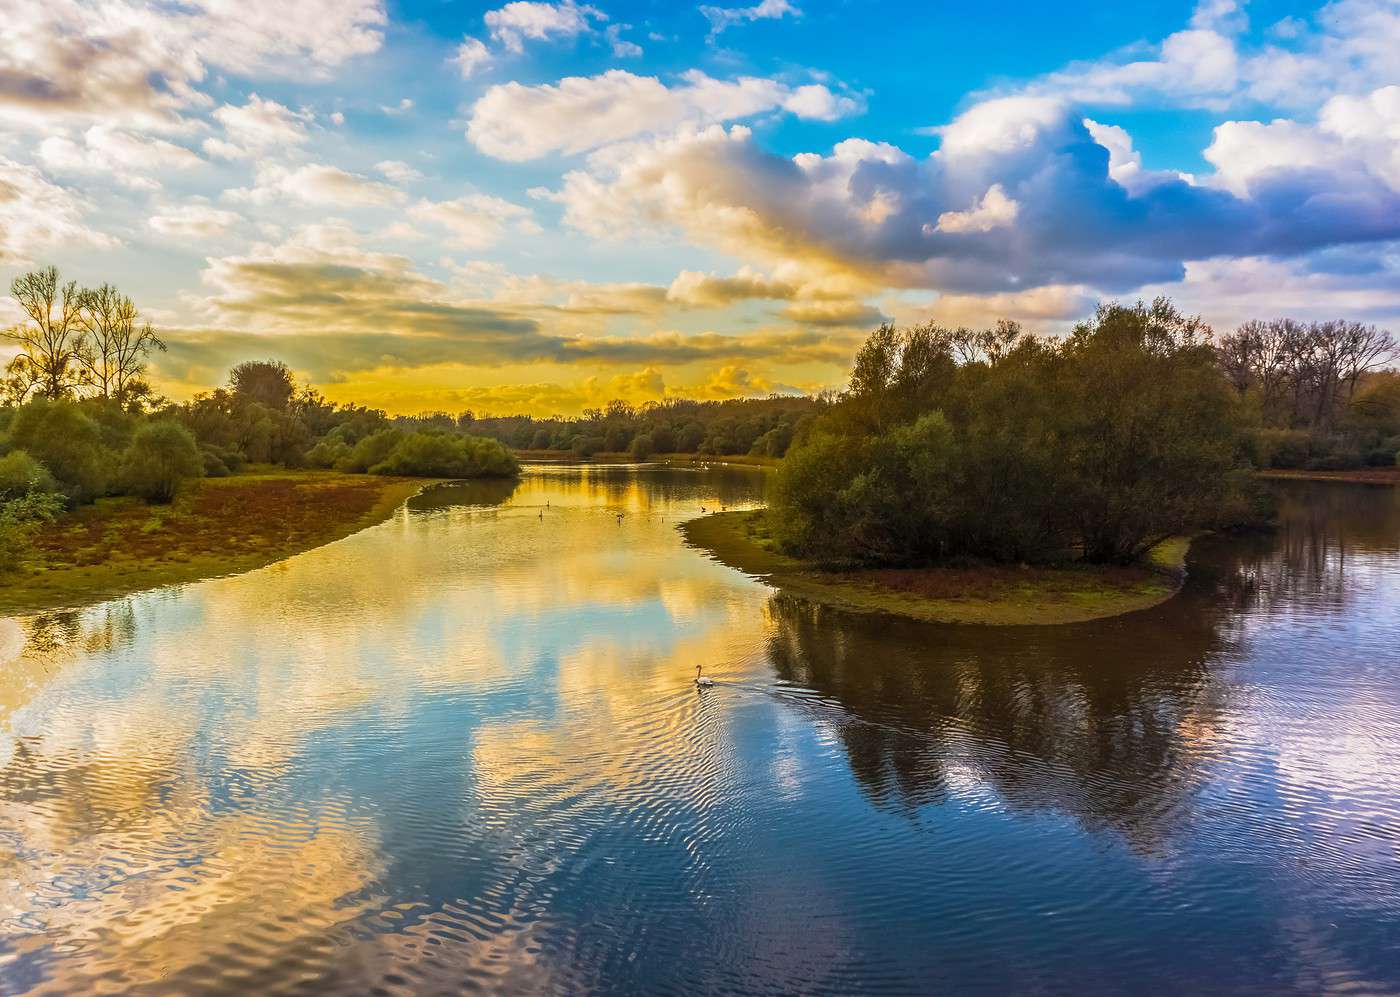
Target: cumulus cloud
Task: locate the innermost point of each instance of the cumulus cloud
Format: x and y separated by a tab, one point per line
523	20
37	216
517	122
191	221
255	126
472	56
704	290
1348	47
139	63
398	172
126	158
948	222
476	220
315	183
721	18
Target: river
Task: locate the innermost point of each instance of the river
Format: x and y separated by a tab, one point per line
463	750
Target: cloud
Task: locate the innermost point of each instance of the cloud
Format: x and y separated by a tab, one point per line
255	126
398	172
139	63
621	47
995	210
948	223
472	57
37	216
1354	136
191	221
315	183
1348	48
721	18
126	158
517	122
523	20
475	221
701	290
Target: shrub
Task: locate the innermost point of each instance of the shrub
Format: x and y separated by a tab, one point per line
444	455
161	457
371	450
20	519
329	451
642	447
21	474
62	438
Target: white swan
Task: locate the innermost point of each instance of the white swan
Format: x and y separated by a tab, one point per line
701	680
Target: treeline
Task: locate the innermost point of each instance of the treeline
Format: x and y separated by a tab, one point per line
1315	393
1002	446
762	427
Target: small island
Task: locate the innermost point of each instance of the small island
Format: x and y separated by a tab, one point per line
996	595
989	477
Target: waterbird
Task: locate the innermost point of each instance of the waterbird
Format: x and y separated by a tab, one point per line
701	680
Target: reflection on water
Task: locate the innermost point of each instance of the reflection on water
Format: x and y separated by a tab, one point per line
463	750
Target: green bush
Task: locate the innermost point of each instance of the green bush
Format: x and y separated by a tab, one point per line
20	519
373	449
445	455
642	447
329	451
21	474
62	438
162	456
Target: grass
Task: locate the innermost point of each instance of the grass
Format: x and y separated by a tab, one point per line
994	595
1360	475
216	526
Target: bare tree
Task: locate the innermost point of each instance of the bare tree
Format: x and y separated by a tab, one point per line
115	346
51	340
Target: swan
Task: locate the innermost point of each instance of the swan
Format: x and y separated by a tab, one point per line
702	681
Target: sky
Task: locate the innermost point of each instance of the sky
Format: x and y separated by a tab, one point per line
538	207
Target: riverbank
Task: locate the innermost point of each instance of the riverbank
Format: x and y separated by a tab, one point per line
991	595
217	526
1356	476
694	459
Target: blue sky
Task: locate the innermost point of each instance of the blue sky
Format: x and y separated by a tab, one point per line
538	206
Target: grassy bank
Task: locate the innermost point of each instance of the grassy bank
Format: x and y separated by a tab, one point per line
1359	476
217	526
991	595
567	456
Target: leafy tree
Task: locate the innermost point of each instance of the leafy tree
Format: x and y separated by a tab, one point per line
438	454
115	344
268	382
162	456
642	446
21	474
65	440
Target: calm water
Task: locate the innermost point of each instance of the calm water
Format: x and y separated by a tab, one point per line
462	750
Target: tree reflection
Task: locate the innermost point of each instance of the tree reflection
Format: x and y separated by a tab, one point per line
1109	723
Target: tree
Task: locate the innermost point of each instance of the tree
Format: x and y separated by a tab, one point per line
162	456
268	382
51	338
65	440
115	346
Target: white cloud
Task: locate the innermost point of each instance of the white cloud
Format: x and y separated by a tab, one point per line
121	156
721	18
516	122
995	210
140	63
476	220
516	22
315	183
472	57
38	217
256	125
1354	136
398	172
621	47
191	221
